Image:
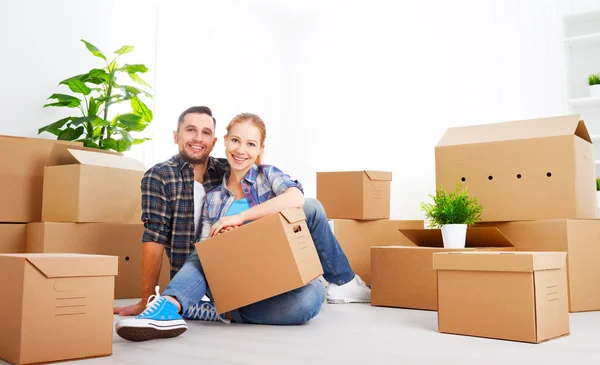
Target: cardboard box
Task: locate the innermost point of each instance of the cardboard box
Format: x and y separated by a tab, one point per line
525	170
21	177
579	238
519	296
357	237
121	240
56	307
355	194
259	260
404	276
12	237
88	185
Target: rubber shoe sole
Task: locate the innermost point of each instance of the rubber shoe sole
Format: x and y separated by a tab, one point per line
151	330
347	301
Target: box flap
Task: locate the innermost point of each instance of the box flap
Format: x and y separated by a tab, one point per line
105	160
379	175
476	237
516	130
499	261
73	265
61	155
293	215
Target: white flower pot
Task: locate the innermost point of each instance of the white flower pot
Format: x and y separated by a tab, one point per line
594	91
454	235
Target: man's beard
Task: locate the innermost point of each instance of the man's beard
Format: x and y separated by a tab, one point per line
193	160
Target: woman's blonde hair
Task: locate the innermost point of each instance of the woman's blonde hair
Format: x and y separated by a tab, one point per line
258	123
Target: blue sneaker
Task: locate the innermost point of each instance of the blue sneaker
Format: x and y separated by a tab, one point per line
204	311
159	320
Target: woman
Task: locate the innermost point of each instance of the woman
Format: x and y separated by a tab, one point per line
249	191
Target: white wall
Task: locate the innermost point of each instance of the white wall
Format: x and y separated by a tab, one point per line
40	48
374	86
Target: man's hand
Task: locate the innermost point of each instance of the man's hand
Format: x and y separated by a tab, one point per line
231	221
131	310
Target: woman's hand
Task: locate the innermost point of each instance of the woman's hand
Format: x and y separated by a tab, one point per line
226	230
231	221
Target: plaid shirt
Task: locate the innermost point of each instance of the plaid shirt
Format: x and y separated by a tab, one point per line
260	184
168	205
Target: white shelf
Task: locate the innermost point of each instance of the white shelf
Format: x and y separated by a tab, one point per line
585	102
588	39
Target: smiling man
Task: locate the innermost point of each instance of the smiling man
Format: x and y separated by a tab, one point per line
173	194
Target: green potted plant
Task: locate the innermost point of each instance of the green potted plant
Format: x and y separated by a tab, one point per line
598	190
453	211
95	92
594	85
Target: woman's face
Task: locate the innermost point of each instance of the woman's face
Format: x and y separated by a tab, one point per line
242	145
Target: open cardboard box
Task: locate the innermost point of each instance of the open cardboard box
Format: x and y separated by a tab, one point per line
404	276
89	185
523	170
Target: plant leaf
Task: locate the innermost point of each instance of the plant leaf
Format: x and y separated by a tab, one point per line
123	50
140	140
112	66
89	142
126	136
118	145
142	110
131	122
55	127
81	120
81	77
70	134
61	103
99	122
138	80
78	86
134	91
131	69
95	51
92	107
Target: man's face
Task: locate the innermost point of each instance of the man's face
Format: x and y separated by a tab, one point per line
195	138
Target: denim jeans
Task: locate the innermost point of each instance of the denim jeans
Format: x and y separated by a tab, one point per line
297	306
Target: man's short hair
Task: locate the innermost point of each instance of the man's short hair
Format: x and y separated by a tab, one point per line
199	110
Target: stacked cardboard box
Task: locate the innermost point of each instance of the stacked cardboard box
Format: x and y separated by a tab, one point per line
21	177
358	206
92	205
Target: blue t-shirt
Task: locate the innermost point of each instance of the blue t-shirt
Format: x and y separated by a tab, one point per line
238	206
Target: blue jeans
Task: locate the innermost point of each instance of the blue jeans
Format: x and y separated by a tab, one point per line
294	307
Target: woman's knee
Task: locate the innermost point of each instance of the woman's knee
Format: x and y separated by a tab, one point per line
313	207
310	300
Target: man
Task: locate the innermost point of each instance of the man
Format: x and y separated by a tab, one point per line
172	198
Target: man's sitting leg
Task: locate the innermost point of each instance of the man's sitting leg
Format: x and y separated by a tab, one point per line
344	285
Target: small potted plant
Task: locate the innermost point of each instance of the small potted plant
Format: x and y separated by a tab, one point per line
453	212
598	190
594	85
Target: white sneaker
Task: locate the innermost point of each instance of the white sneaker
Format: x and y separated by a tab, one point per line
354	291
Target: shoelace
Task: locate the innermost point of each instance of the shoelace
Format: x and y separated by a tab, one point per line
153	302
207	312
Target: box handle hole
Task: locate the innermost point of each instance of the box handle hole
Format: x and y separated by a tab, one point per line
126	258
490	177
518	176
297	229
549	174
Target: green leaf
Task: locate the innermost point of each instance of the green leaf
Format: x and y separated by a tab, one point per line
97	76
118	145
123	50
141	109
81	77
97	133
88	142
55	127
126	136
138	79
134	91
112	66
78	86
99	122
70	134
140	140
95	51
81	120
92	107
131	69
61	103
131	122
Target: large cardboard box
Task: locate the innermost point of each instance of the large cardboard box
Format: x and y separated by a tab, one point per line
56	307
404	276
87	185
357	237
121	240
12	237
524	170
259	260
355	194
520	296
579	238
21	177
